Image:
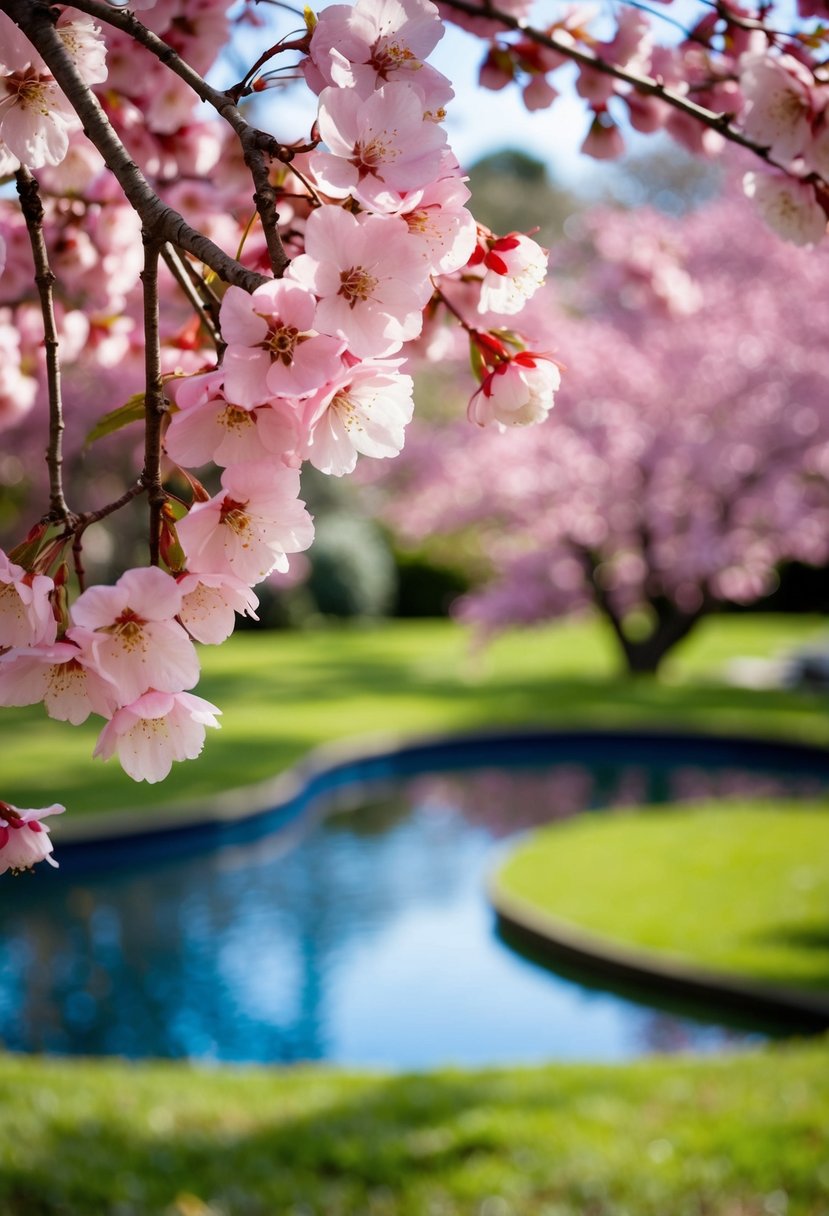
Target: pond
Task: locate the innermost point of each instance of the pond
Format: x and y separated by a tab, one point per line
355	929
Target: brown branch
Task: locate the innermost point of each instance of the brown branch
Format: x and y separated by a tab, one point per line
32	207
243	87
82	522
155	403
255	144
649	85
179	270
165	224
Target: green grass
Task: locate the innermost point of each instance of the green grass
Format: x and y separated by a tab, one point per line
284	693
731	1136
738	887
742	1135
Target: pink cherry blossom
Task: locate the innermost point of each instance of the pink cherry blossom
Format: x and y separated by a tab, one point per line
604	139
788	206
60	675
371	283
366	412
379	147
515	266
518	392
26	617
538	93
208	426
18	391
24	840
274	348
376	41
155	730
440	225
35	118
778	104
209	605
84	44
131	634
250	526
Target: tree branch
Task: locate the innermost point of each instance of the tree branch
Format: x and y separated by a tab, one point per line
180	272
82	522
155	403
649	85
32	207
165	224
255	144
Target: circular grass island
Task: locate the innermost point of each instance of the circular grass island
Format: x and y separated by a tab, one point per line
726	902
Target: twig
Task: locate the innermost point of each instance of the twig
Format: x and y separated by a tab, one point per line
82	522
255	144
648	85
179	270
32	207
33	18
155	403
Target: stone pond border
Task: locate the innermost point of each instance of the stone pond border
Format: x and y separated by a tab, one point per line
316	786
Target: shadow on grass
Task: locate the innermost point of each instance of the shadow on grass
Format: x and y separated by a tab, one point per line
311	1144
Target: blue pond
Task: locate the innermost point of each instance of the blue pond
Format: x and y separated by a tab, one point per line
353	926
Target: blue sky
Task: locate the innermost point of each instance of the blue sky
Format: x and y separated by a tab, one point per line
479	121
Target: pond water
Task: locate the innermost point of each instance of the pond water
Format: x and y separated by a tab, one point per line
361	936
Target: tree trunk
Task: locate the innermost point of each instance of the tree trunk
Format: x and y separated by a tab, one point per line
644	656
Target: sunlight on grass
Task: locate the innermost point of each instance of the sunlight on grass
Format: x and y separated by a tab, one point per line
737	887
728	1136
283	693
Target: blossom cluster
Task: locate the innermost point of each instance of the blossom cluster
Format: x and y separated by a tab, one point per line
690	455
312	364
734	62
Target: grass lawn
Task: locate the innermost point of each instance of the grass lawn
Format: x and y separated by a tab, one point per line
737	887
730	1136
740	1135
283	693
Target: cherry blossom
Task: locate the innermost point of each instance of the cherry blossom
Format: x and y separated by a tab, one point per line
209	603
364	46
35	118
686	460
788	206
515	266
26	617
155	730
62	676
366	412
440	225
274	348
518	392
778	104
131	634
210	427
298	258
379	147
371	284
247	529
24	840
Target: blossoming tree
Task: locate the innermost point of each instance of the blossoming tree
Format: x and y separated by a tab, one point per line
252	295
689	455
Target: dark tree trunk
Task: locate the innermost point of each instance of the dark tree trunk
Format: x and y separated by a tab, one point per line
644	655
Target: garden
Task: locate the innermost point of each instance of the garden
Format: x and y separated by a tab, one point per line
413	651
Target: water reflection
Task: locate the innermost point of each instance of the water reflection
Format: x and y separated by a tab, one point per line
368	941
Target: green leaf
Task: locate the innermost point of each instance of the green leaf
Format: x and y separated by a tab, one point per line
131	411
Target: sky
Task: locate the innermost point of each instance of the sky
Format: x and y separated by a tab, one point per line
479	121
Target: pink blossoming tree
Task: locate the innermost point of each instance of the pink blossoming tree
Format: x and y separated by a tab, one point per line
253	298
689	452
